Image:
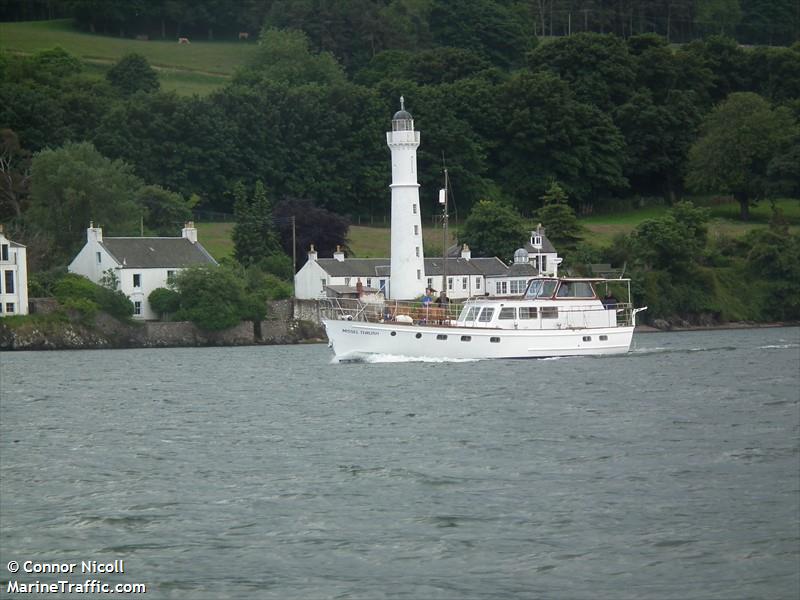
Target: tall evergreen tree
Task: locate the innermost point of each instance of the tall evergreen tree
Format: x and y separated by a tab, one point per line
559	219
254	235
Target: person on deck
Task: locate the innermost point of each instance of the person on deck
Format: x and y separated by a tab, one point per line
609	301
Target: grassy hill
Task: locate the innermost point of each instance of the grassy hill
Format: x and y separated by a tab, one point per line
373	242
199	67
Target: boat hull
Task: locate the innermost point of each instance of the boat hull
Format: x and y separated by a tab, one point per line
354	339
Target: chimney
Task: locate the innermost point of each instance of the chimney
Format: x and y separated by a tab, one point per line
339	254
189	232
312	254
94	234
466	253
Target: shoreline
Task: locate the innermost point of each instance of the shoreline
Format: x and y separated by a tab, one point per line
721	326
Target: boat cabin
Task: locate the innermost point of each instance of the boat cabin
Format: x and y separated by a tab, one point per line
547	303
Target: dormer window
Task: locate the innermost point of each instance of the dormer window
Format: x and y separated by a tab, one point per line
537	241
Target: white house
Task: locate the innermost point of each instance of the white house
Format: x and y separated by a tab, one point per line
141	264
13	277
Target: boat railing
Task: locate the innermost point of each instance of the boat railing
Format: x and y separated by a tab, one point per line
408	312
399	311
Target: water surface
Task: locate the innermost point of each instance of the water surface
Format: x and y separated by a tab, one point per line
269	472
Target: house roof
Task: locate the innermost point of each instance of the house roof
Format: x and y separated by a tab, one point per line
380	267
157	252
547	247
355	267
522	270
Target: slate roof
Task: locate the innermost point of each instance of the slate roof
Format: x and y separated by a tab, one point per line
355	267
380	267
157	252
547	247
522	270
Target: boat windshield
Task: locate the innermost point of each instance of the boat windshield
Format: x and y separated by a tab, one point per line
541	288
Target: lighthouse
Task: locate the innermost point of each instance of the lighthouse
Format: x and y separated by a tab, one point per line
408	258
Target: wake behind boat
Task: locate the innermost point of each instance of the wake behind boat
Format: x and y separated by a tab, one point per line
554	317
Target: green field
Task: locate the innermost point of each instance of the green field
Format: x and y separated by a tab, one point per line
199	67
374	242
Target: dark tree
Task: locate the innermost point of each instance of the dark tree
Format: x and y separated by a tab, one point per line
132	73
313	225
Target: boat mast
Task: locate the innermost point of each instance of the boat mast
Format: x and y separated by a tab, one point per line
443	202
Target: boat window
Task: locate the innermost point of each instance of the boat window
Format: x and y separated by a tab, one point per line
507	312
441	336
549	312
494	340
469	313
583	289
394	333
541	288
486	315
466	338
566	290
587	338
527	312
603	338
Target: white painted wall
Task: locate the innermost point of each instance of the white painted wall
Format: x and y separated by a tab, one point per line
407	253
17	265
308	281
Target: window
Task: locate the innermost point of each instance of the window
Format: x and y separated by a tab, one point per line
544	263
517	286
99	257
137	280
541	288
587	338
507	313
501	287
369	282
494	340
170	276
4	252
137	308
477	283
466	338
347	281
603	338
464	282
9	307
324	282
449	283
470	313
486	315
10	282
416	251
430	282
527	312
549	312
414	208
394	333
416	229
441	336
418	336
419	274
383	284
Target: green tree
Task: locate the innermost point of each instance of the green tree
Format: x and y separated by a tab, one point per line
738	140
74	185
15	175
286	57
164	301
254	235
132	73
598	67
493	229
559	219
215	298
164	211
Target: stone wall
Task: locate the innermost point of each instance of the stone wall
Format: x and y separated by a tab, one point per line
107	332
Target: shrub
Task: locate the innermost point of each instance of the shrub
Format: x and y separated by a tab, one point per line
164	301
75	287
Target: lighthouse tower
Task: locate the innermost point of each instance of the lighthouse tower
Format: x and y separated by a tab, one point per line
408	259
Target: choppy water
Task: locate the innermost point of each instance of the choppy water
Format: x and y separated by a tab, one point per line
268	472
